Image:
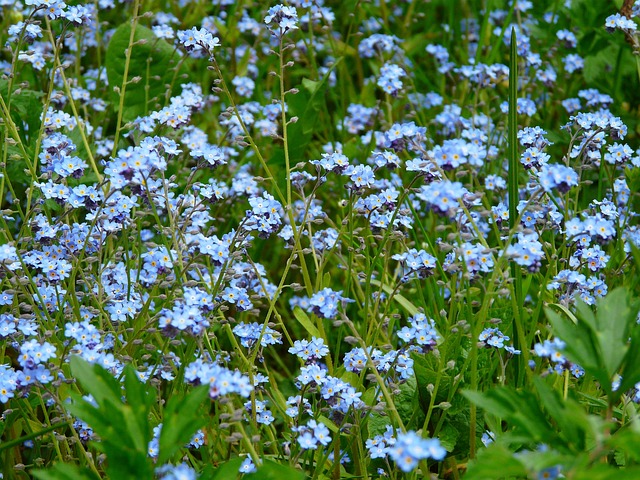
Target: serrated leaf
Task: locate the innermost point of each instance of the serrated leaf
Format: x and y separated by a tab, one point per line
569	416
181	419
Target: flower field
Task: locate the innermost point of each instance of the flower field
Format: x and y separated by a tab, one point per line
319	240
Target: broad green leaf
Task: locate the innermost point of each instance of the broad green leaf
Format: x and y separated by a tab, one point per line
565	310
448	436
627	441
630	370
62	471
270	470
614	318
228	470
140	399
124	429
26	111
306	105
519	408
329	424
153	60
581	346
494	459
426	372
605	472
377	424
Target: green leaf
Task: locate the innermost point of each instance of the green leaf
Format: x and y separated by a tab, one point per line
124	429
38	433
614	318
407	402
409	307
519	408
565	310
270	470
306	105
605	472
581	346
448	437
426	368
306	322
627	441
26	111
152	59
96	380
569	416
62	471
495	458
600	342
182	418
228	470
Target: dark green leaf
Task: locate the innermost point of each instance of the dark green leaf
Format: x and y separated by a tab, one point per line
570	418
152	59
62	471
426	368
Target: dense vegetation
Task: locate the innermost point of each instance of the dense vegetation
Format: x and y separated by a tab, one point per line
319	240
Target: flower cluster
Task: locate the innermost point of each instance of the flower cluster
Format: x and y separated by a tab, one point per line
405	449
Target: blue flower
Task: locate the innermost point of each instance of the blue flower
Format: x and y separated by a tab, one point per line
409	448
281	19
247	466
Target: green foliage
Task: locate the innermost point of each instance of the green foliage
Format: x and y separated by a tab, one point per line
181	421
25	109
307	106
123	422
123	427
153	61
599	342
63	471
269	470
572	434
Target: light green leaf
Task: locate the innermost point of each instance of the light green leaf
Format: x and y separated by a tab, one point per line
306	322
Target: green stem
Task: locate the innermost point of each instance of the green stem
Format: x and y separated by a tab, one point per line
125	75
